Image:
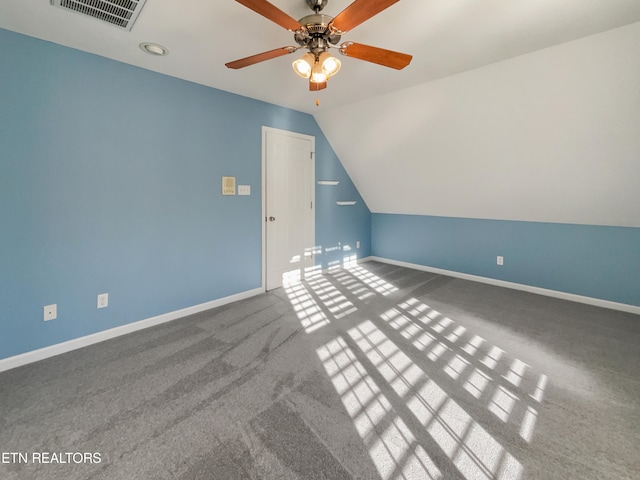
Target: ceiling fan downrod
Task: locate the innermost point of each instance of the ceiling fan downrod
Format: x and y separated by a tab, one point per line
317	5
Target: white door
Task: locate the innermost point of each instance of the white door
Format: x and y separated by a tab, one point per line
289	210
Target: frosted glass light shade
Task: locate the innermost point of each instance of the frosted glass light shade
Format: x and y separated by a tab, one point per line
330	65
304	65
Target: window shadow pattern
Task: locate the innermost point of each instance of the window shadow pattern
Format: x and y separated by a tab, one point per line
428	397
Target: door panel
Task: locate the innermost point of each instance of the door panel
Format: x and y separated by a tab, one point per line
290	220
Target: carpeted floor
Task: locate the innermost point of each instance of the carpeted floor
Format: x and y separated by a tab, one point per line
369	372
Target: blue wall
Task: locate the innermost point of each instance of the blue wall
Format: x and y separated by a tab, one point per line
338	228
594	261
110	182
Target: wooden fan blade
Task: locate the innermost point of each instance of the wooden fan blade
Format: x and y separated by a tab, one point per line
316	86
260	57
273	13
358	12
386	58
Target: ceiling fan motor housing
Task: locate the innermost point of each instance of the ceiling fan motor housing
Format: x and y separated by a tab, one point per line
317	34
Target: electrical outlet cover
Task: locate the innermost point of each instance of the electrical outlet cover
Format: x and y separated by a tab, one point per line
103	300
50	312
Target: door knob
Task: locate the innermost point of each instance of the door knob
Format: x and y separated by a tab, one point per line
271	219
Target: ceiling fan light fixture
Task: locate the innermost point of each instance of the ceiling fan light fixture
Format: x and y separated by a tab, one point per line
317	74
330	65
304	65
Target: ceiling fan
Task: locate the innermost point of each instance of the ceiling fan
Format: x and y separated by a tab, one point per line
318	33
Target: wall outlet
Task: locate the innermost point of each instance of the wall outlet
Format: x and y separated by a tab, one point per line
103	300
50	312
358	244
500	260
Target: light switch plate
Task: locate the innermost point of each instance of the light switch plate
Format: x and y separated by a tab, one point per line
244	189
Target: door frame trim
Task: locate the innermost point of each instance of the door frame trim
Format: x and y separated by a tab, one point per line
312	139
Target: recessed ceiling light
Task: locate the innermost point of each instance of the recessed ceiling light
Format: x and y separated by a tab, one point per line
154	49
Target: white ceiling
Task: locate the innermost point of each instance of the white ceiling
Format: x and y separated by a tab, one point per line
445	37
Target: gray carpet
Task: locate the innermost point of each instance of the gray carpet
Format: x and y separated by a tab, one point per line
370	372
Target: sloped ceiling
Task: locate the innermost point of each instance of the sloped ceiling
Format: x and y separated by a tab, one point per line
429	139
550	136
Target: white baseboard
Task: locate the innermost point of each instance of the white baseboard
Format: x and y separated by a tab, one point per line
515	286
64	347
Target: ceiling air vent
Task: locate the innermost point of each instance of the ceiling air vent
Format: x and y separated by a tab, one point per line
122	13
